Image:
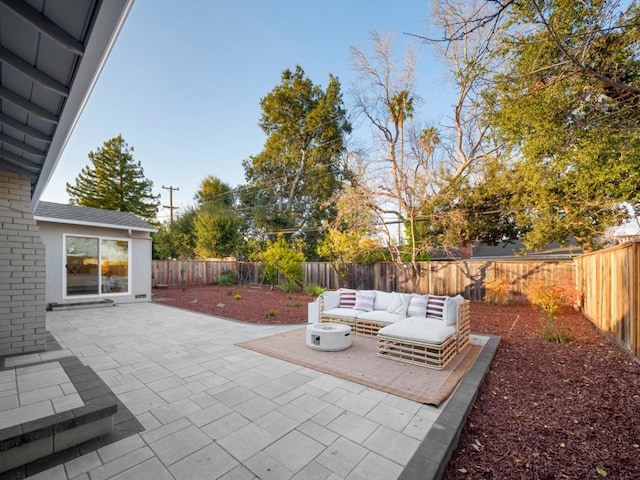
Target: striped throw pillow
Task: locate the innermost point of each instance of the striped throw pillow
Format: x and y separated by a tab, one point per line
418	306
435	306
364	300
347	298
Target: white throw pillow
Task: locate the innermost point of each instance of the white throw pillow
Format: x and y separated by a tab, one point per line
347	298
331	299
382	300
398	303
365	300
418	306
435	306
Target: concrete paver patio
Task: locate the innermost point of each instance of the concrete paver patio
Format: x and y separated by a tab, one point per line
213	410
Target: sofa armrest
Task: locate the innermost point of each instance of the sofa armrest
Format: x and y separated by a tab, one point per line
463	325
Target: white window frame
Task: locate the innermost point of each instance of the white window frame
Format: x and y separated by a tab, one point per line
100	239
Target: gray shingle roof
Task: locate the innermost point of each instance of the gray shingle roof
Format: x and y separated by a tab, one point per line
74	214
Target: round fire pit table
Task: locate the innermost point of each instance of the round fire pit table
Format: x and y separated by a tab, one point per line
328	337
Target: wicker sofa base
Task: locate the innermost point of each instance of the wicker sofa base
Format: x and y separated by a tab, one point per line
416	352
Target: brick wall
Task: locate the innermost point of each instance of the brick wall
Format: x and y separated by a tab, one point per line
22	270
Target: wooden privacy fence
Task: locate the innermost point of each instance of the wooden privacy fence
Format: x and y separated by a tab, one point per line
441	278
608	280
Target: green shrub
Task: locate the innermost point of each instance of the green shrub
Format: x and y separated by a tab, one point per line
270	313
289	287
295	303
314	289
227	278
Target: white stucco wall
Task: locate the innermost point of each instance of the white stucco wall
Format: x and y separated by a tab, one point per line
140	268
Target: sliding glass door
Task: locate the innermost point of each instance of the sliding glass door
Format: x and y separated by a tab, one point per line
96	266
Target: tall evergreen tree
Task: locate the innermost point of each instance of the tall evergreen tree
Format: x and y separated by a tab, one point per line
115	181
292	180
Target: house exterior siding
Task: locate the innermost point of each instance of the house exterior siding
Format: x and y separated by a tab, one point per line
53	235
22	270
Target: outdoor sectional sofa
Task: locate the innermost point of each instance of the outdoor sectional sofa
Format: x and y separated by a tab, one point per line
426	330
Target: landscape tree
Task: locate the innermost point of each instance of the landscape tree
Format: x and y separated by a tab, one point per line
564	103
217	224
115	181
176	239
291	182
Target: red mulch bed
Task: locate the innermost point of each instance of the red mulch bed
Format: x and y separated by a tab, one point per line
544	411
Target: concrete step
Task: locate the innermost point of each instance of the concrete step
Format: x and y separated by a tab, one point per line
22	444
53	306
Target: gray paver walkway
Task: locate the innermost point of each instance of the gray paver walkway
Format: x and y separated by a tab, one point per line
212	410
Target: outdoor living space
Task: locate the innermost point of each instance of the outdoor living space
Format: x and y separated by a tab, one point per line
208	408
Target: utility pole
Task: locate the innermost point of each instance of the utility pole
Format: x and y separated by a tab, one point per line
170	206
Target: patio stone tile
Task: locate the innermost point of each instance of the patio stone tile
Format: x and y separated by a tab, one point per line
239	473
152	374
372	394
225	426
152	469
276	423
310	403
141	400
305	448
208	463
235	396
326	383
67	402
313	471
334	395
390	417
203	399
353	427
165	383
195	386
82	464
268	468
25	414
180	444
418	427
174	394
342	456
391	444
120	448
9	402
255	407
164	431
288	395
209	414
55	473
173	411
328	415
122	464
295	413
148	421
375	467
318	432
245	442
356	404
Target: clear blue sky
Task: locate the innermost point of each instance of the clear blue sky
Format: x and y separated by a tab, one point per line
184	81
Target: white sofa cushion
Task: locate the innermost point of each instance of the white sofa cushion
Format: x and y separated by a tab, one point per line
343	312
380	316
450	312
382	300
398	303
429	330
418	306
331	299
365	300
